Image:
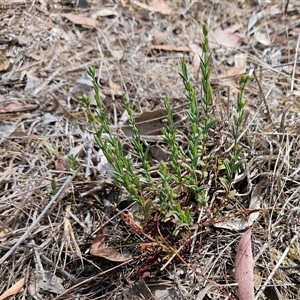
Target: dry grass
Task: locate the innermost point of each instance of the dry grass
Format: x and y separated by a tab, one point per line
42	234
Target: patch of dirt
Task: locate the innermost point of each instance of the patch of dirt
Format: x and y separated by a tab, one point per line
50	217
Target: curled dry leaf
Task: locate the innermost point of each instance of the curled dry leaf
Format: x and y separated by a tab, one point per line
3	235
60	163
240	65
52	283
4	63
262	38
244	267
98	249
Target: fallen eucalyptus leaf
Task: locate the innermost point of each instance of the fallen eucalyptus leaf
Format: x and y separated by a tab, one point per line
244	267
14	289
98	249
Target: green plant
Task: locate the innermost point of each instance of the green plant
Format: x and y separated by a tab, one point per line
124	173
233	164
73	165
53	189
188	171
201	123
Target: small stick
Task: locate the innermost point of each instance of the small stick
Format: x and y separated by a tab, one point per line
275	269
286	7
62	271
46	82
91	278
295	64
263	97
59	194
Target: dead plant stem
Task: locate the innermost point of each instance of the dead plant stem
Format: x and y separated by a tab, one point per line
59	194
295	64
91	278
275	269
264	98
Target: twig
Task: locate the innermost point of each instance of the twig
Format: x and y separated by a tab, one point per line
59	194
295	64
175	252
263	97
88	159
286	7
46	82
275	269
60	270
91	278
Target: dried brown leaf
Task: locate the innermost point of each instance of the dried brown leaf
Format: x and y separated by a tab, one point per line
109	253
296	93
18	107
156	6
244	267
224	38
3	235
16	288
240	61
60	164
4	63
149	122
79	20
289	70
98	249
262	38
234	72
162	7
51	283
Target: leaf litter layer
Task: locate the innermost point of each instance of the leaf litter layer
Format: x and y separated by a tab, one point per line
50	218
